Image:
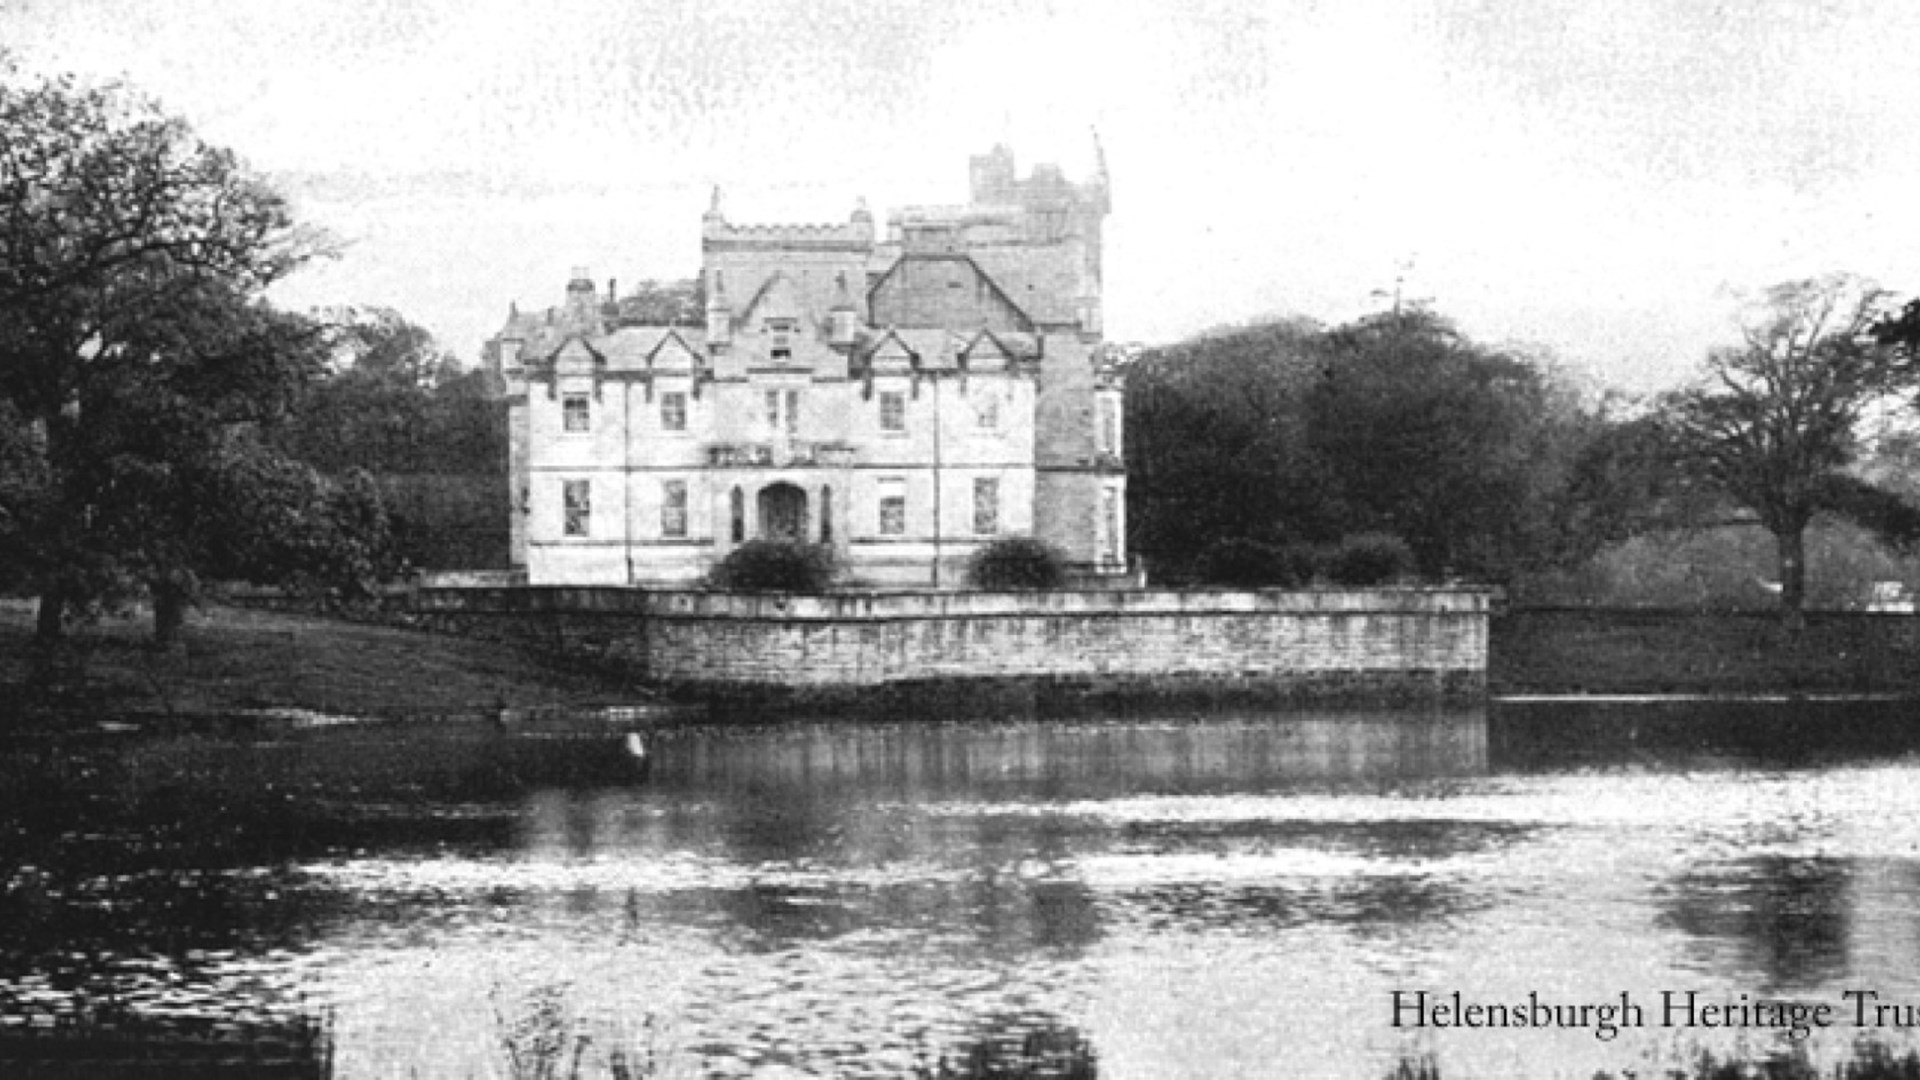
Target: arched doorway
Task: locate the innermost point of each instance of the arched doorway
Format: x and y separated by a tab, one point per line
783	512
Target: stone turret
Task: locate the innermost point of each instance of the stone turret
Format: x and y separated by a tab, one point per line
714	221
992	176
843	319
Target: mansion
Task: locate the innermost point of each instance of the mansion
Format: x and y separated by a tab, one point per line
905	396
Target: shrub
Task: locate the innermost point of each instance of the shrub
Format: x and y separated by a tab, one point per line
1297	565
1238	562
1017	562
1250	564
1370	559
776	566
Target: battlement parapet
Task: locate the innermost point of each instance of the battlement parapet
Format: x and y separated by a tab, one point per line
722	234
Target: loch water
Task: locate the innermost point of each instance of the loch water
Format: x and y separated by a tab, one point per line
1166	896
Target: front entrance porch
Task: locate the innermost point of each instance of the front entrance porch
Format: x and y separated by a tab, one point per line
783	513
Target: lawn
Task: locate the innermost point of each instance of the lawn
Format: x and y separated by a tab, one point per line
238	659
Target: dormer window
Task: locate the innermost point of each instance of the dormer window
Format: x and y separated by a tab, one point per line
780	331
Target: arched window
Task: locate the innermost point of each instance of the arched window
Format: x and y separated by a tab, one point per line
738	504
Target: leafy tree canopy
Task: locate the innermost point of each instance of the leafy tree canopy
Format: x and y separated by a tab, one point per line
396	405
1775	421
141	364
394	402
1397	424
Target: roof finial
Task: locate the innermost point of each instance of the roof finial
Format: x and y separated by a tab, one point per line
713	207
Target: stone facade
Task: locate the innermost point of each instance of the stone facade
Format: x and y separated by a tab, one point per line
904	398
1366	644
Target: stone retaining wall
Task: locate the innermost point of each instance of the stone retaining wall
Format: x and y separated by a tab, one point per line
1323	643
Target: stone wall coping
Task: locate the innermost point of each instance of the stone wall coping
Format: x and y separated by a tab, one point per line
896	605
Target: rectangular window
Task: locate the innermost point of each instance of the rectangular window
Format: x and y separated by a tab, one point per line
783	413
574	413
673	411
1110	523
986	409
893	410
576	500
673	508
1109	426
893	508
986	505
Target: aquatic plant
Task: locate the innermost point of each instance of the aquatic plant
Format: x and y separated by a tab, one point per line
543	1037
1017	1049
1869	1061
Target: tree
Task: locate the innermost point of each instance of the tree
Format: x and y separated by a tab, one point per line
662	303
1286	433
399	407
1774	421
373	410
1901	330
1624	479
1215	445
134	350
1454	448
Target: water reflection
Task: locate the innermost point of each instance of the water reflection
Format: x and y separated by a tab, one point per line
1553	736
1161	897
1783	923
1059	761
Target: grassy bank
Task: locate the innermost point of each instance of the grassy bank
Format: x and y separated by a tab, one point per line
1663	652
236	660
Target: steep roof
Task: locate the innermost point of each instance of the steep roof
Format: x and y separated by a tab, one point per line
896	272
778	298
637	347
1044	282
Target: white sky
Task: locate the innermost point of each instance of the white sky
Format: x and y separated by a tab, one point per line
1598	178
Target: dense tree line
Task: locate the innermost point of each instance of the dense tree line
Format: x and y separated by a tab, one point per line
1289	434
396	406
1287	437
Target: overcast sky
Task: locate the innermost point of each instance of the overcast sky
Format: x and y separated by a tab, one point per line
1600	179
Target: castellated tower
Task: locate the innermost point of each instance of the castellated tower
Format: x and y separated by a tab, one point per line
904	396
